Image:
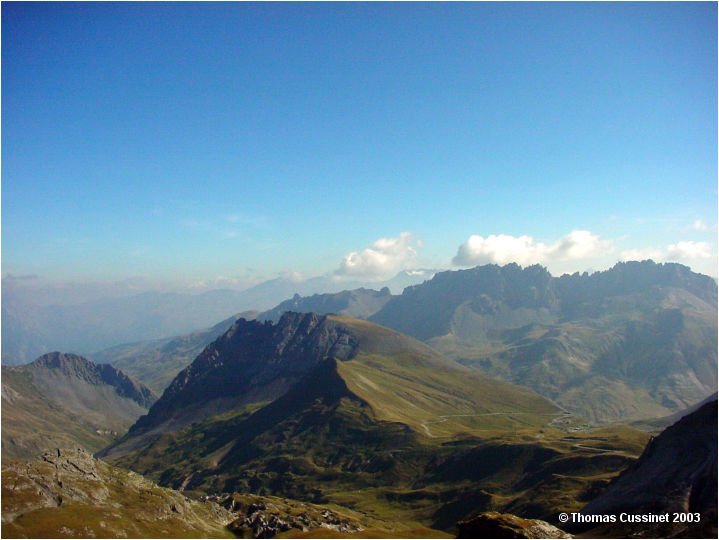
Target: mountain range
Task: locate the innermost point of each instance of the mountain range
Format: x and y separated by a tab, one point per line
636	342
156	362
498	397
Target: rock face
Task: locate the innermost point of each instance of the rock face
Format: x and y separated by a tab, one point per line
77	367
66	400
265	517
496	525
369	407
676	473
251	362
68	493
633	342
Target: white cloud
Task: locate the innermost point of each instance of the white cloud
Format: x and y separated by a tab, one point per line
687	250
524	250
384	258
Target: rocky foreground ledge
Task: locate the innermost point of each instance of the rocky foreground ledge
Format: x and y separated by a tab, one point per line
496	525
70	494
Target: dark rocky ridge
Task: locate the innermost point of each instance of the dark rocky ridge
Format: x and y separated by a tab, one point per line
676	473
252	361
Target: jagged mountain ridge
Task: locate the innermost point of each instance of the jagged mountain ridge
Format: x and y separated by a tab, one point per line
636	341
65	399
256	362
503	292
399	378
157	362
251	362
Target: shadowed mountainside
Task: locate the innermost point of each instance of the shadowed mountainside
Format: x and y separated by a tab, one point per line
676	473
157	362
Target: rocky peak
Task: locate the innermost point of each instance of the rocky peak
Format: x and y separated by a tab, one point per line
68	364
261	359
75	366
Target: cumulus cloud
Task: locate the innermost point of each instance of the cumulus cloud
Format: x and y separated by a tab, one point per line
524	250
682	251
687	250
384	258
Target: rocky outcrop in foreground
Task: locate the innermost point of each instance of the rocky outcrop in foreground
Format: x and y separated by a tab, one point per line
496	525
69	494
265	517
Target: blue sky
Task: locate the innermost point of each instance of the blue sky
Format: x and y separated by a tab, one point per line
183	142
